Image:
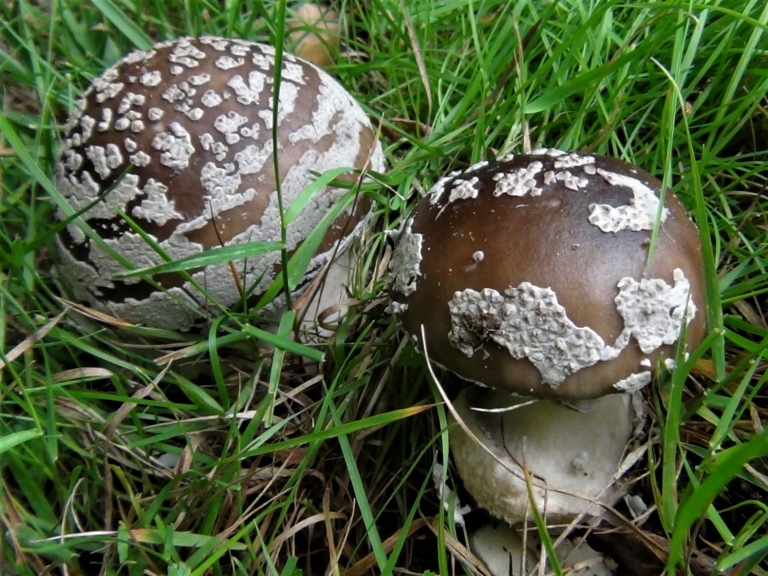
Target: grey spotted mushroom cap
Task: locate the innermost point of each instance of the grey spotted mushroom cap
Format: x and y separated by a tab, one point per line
530	274
182	134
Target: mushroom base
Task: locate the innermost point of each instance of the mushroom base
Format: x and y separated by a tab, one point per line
504	552
572	454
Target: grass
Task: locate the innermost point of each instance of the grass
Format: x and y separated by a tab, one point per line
112	463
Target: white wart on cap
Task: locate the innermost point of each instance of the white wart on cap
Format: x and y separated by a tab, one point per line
530	274
189	125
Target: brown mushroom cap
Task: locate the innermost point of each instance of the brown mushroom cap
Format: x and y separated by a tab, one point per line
188	125
315	33
530	275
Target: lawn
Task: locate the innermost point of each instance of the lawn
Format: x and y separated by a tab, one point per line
132	450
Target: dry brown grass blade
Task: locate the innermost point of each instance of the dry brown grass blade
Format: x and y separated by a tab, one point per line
10	520
278	542
369	562
750	315
423	74
458	550
409	412
94	315
334	557
32	339
383	380
126	409
514	66
80	374
643	553
230	263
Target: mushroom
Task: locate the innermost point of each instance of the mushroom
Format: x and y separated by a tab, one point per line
314	33
533	275
504	552
573	452
179	139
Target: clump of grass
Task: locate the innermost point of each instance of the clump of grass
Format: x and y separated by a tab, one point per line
215	463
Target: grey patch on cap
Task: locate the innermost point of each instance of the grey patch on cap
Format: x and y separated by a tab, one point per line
108	90
250	131
106	120
571	181
82	191
228	63
261	61
98	158
572	161
71	160
129	100
653	311
174	308
530	323
251	159
639	214
404	267
194	114
518	182
174	93
137	56
552	152
475	167
184	52
156	207
228	125
86	124
464	189
210	99
437	190
151	78
140	159
155	113
248	92
633	382
293	72
219	149
287	103
219	44
114	157
176	147
199	79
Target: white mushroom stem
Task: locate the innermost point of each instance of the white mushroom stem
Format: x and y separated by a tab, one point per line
572	454
329	292
504	553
